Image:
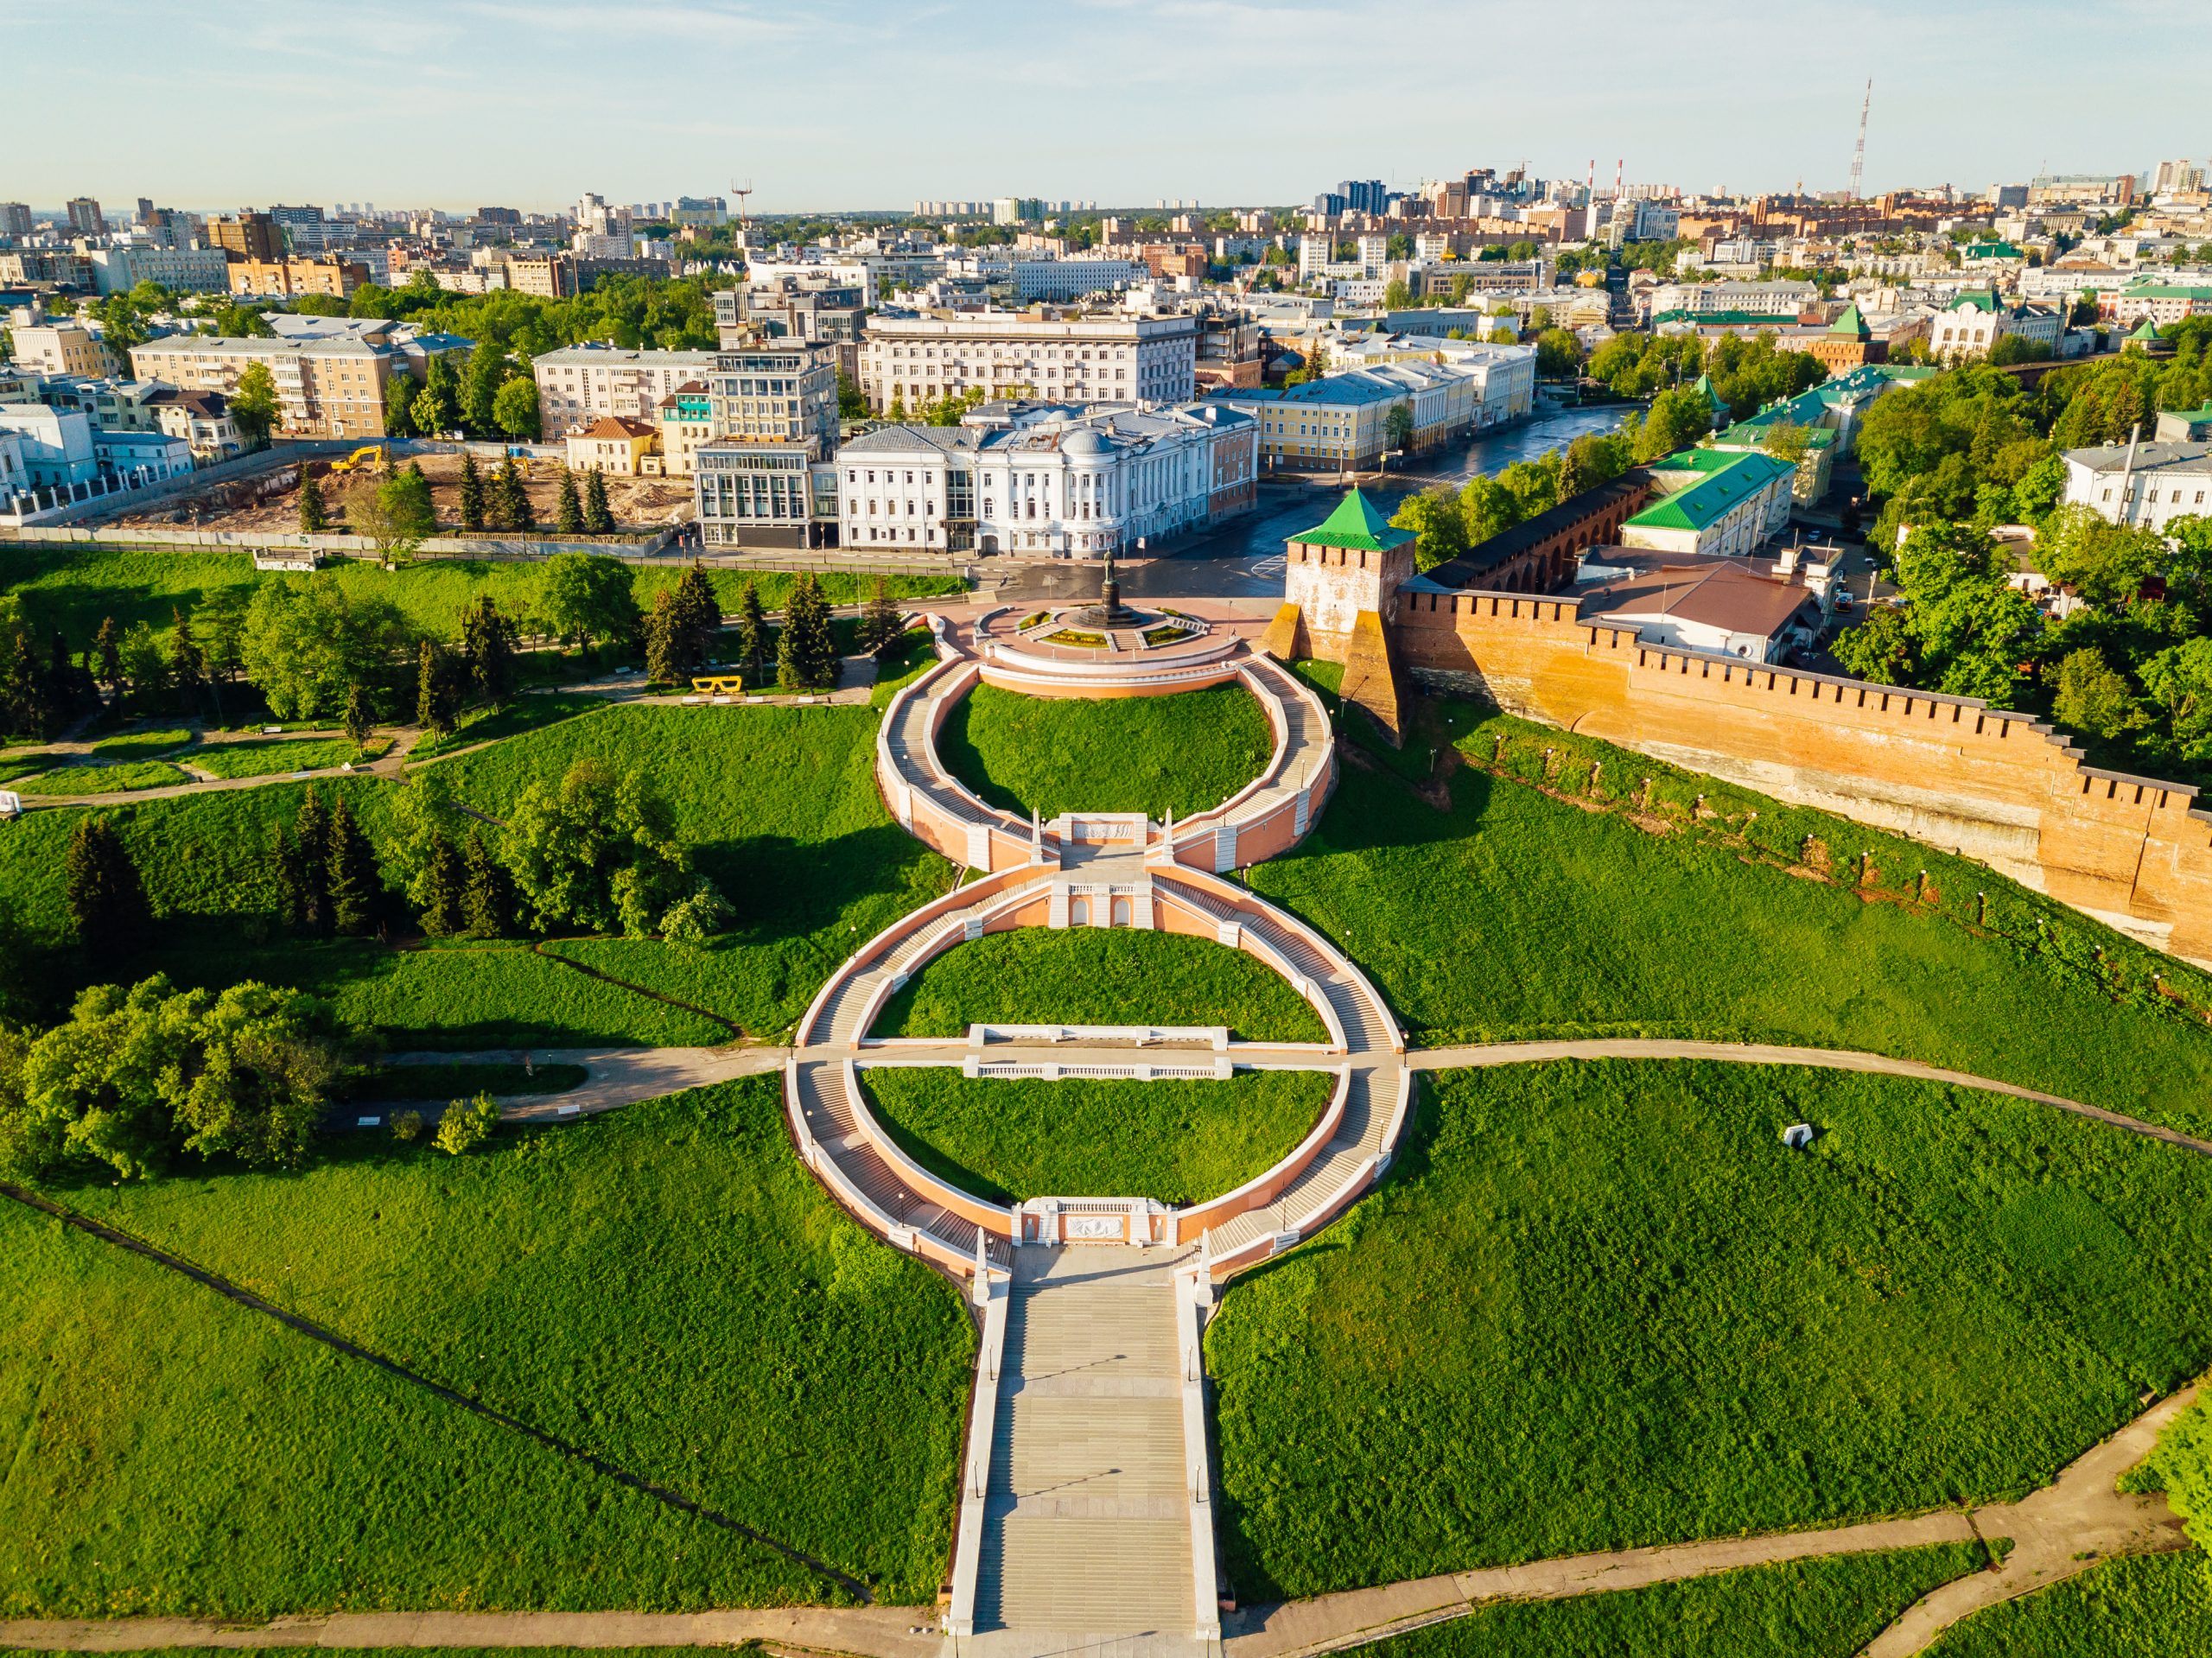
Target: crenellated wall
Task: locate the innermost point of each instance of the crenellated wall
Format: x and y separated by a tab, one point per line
1996	785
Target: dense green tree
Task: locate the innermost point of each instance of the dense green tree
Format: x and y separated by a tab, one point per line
2091	698
598	851
472	494
880	622
438	684
752	633
568	510
107	646
356	882
187	662
400	393
666	658
1882	649
514	408
255	409
2107	563
438	407
357	715
699	612
1558	354
488	900
101	886
1436	518
487	641
440	899
302	860
313	519
488	368
307	643
466	1124
511	506
806	655
599	517
586	599
1675	421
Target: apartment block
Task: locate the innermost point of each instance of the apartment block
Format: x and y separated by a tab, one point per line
910	361
186	270
327	385
63	348
288	278
578	385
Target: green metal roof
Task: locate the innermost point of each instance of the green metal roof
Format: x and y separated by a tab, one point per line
1356	523
1851	321
1992	251
1753	433
1977	302
2165	290
1729	319
1714	498
2148	330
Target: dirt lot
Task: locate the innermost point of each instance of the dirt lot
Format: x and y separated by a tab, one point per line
639	503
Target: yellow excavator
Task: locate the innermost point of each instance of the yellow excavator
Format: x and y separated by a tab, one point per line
375	456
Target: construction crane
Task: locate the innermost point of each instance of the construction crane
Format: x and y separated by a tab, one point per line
1858	155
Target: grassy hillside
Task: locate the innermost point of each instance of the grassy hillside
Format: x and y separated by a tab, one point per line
664	1286
1516	914
1599	1306
1810	1609
2158	1607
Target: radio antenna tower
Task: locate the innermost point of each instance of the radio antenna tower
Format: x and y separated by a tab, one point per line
744	191
1858	155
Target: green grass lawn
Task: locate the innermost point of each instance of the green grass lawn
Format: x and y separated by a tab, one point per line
665	1287
1187	752
439	1083
526	713
1808	1609
1599	1305
1178	1142
261	759
778	804
2151	1606
1099	975
141	745
74	588
1516	915
92	778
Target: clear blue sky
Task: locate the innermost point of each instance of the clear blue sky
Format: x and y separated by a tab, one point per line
855	103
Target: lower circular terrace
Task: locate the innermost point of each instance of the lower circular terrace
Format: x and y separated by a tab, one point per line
1100	870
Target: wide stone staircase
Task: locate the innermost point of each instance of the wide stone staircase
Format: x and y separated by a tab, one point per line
1087	1533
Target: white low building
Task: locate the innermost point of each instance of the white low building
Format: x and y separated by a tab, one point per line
2147	484
1047	481
1977	321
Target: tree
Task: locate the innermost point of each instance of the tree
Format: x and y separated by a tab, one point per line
439	893
510	500
356	716
383	514
107	644
599	518
752	633
699	613
598	851
2106	563
1398	426
187	666
487	902
100	885
312	517
1675	419
2091	698
2178	681
485	375
880	622
806	656
569	512
852	402
1434	516
514	408
1880	649
307	643
2183	1461
301	855
1786	439
399	397
145	669
472	494
356	882
487	640
437	690
665	663
255	409
1558	354
407	499
467	1124
438	407
133	1078
587	597
1488	508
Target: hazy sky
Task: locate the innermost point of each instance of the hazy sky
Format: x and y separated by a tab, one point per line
854	104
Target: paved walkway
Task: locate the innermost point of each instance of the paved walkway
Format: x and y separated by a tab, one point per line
614	1077
1760	1053
388	764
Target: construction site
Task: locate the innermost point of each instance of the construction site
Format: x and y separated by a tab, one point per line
270	502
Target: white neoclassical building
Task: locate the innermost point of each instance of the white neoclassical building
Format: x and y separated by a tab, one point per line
1047	481
2148	485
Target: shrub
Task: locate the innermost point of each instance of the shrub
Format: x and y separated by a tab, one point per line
467	1124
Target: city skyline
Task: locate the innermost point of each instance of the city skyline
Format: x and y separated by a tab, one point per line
444	107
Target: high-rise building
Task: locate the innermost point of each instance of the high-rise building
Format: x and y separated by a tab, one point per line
85	218
15	219
249	235
145	210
